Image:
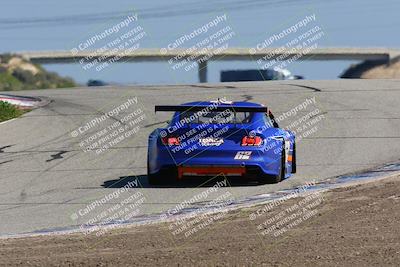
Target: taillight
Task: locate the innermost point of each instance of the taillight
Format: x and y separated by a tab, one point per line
171	141
251	141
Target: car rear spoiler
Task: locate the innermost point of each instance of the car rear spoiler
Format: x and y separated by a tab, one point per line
184	108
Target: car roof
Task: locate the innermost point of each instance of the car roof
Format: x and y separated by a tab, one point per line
230	104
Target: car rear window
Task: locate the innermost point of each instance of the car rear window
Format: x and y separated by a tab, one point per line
216	117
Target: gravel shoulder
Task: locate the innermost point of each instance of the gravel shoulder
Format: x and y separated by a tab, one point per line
356	225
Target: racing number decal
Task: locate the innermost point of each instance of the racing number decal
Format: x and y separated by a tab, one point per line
243	155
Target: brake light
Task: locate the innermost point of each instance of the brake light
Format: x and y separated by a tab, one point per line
251	141
171	141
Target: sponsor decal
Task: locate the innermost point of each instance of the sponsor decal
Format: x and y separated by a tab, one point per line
210	141
243	155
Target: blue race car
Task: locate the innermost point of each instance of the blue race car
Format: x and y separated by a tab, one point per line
220	138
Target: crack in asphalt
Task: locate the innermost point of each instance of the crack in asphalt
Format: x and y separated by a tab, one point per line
212	87
247	97
57	156
156	123
4	147
307	87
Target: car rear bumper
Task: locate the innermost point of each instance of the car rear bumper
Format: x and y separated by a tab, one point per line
248	171
210	171
214	161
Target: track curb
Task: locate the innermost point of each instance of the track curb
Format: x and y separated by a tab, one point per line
25	102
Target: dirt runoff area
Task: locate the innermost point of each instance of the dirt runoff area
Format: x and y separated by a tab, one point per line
349	226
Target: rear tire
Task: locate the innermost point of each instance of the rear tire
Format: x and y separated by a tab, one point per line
294	166
274	179
277	178
162	177
153	179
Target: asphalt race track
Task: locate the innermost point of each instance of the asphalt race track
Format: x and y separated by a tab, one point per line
46	177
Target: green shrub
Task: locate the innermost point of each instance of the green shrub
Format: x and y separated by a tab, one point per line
3	69
4	58
20	79
9	82
8	111
24	76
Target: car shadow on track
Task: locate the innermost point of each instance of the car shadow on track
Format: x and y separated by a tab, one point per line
141	181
